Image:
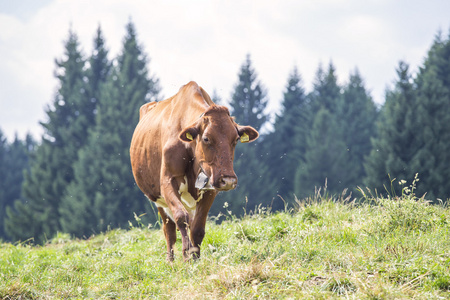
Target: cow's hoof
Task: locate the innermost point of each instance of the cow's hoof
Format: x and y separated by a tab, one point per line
170	257
194	253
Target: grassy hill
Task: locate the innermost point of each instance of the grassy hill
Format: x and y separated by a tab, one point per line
321	248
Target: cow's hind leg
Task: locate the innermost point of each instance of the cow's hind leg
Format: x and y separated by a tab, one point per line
169	229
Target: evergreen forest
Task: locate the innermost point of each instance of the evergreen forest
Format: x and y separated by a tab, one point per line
77	177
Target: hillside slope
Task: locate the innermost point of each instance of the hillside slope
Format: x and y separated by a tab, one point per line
387	249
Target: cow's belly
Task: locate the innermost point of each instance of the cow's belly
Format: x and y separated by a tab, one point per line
146	171
188	201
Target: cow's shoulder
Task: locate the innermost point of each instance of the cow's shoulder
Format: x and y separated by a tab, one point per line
176	157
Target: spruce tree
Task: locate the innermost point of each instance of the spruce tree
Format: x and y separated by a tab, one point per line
104	193
248	103
326	91
396	141
3	175
357	117
414	131
249	99
325	159
325	154
433	118
74	209
68	119
98	71
14	162
286	144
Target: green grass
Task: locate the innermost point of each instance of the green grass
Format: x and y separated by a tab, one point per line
382	249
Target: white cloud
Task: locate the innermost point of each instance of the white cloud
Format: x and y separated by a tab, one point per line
207	41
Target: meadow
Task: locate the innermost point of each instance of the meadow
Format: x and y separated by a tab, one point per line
320	248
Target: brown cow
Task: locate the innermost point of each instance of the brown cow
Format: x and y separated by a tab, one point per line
182	155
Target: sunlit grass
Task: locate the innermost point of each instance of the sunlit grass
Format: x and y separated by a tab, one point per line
319	248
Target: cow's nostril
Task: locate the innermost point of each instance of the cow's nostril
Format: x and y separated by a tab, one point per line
228	183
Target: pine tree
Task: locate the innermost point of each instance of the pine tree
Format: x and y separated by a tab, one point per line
396	142
414	132
325	155
325	158
286	144
98	71
13	163
74	205
358	115
104	193
249	100
51	171
326	91
3	174
248	103
433	118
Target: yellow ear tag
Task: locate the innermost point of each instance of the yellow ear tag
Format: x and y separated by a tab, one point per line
244	138
189	136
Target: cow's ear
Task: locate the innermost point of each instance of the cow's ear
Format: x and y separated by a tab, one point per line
189	134
247	134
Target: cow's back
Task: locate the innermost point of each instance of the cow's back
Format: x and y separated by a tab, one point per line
160	125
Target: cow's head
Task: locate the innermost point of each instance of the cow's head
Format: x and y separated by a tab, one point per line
214	136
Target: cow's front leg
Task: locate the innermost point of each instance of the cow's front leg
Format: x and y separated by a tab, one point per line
170	232
179	213
199	222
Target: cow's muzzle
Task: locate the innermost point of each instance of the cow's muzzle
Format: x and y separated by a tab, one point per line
226	183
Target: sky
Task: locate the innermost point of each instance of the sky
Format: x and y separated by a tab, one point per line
208	40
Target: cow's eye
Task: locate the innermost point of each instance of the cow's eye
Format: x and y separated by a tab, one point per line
205	139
